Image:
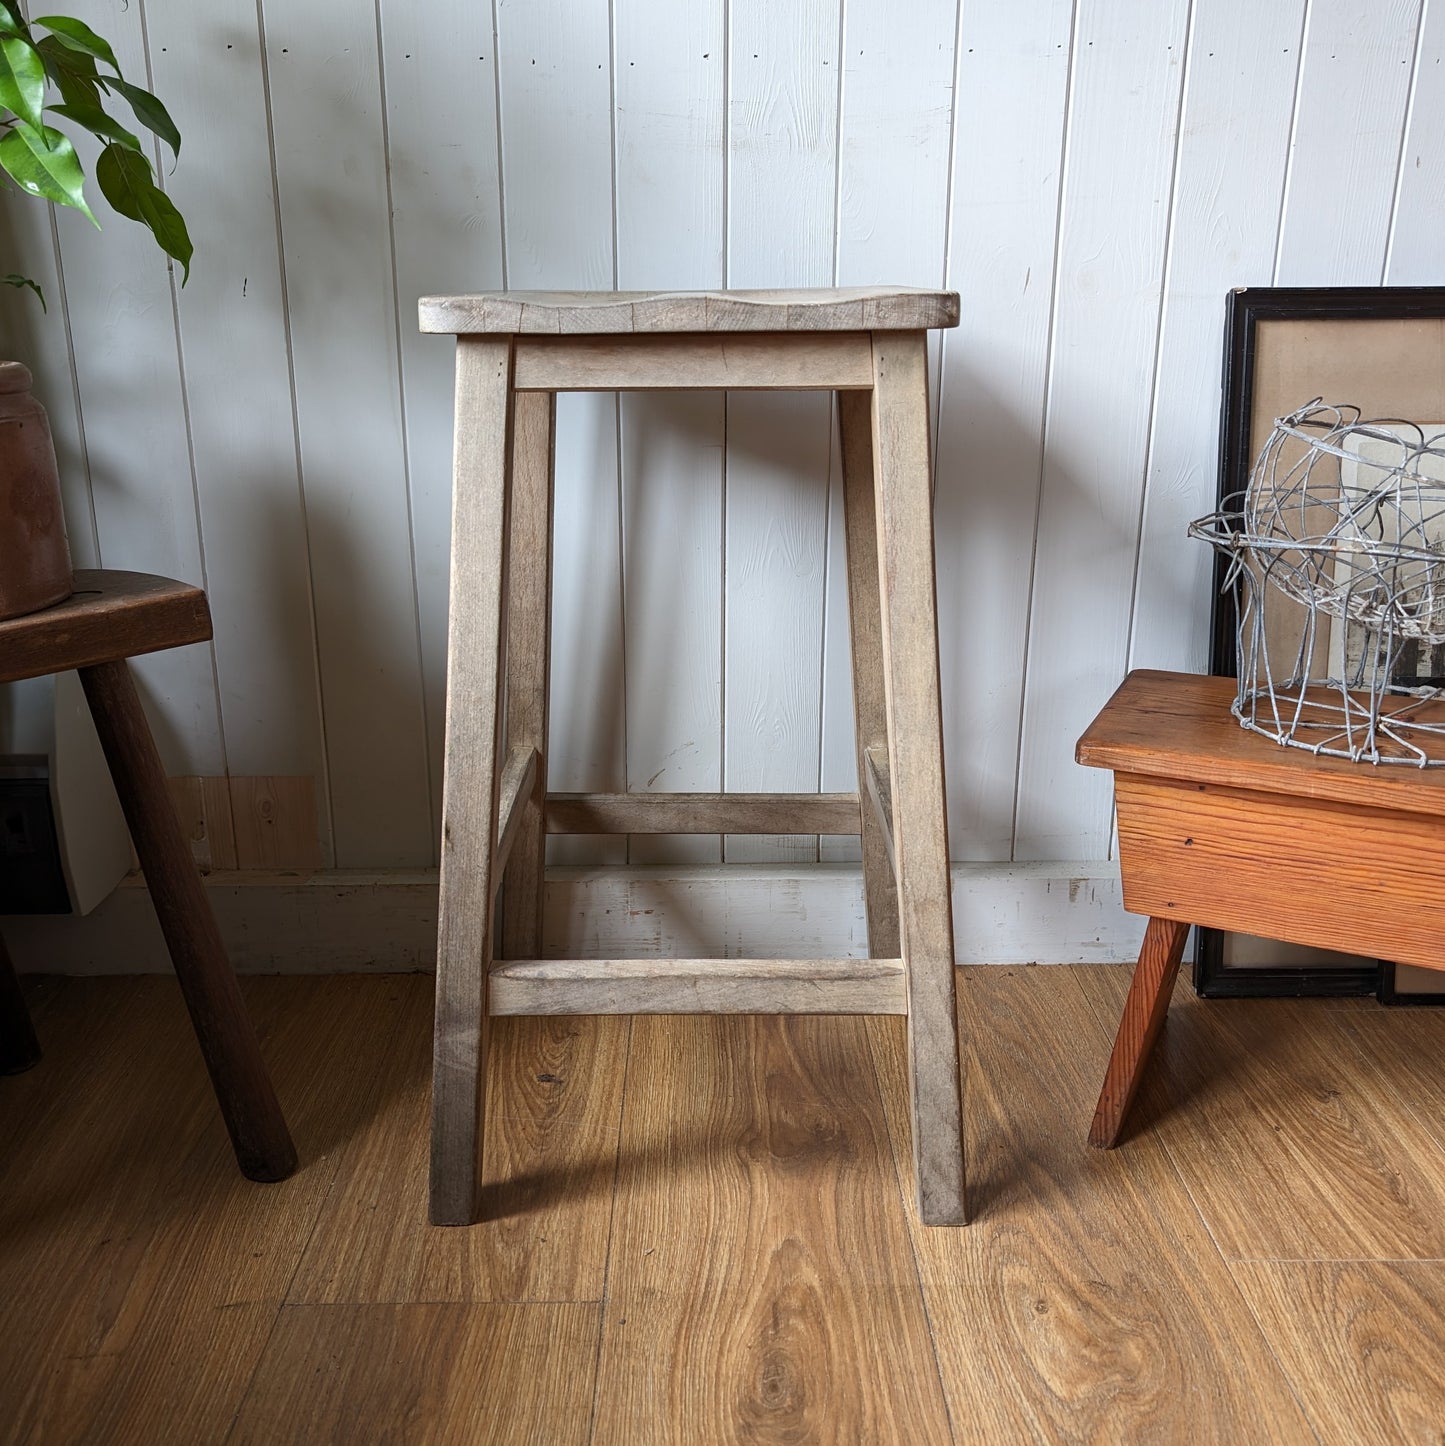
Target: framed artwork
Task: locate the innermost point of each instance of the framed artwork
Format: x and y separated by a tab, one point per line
1381	349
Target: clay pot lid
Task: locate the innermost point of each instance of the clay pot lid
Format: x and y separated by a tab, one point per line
14	377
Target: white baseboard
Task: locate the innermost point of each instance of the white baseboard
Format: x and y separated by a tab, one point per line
345	922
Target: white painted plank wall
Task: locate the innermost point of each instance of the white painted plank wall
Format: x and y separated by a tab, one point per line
1126	73
1090	177
783	98
671	156
556	86
329	135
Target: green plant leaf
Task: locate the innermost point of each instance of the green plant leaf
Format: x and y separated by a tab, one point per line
44	163
98	123
77	35
12	22
14	280
22	78
74	75
126	182
148	111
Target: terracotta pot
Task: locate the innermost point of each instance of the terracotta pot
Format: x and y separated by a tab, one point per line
34	555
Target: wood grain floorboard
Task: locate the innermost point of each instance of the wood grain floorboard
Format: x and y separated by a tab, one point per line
1405	1047
82	1028
139	1270
1084	1302
1291	1147
554	1099
1360	1340
515	1375
767	1278
761	1286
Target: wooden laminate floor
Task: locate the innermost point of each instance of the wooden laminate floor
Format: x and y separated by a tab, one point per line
702	1230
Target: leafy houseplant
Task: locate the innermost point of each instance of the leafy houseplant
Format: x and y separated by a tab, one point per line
56	54
41	159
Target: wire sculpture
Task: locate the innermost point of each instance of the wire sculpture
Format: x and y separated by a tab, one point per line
1336	553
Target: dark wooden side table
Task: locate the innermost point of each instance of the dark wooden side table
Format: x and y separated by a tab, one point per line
111	617
1224	828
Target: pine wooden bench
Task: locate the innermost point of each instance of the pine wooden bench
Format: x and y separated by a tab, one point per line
515	350
113	616
1223	828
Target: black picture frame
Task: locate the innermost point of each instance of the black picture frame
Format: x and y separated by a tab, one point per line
1245	309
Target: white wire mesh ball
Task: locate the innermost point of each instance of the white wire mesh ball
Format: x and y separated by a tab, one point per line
1348	517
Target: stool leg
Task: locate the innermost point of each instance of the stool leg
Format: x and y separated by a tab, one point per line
1144	1012
243	1089
469	790
19	1048
915	754
870	707
529	658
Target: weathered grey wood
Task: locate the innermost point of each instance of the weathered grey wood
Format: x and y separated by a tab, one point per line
776	361
698	986
535	345
110	615
519	781
824	308
529	612
880	795
870	707
469	792
223	1028
915	755
570	813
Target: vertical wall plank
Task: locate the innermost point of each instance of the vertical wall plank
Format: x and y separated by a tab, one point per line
1013	73
439	65
207	66
325	89
670	173
1118	168
894	130
1346	146
782	195
1417	256
1233	148
128	365
556	105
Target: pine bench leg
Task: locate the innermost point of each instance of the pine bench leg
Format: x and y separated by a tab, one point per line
243	1089
1144	1012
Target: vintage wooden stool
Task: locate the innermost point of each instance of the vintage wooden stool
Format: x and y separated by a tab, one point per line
1223	828
111	617
515	350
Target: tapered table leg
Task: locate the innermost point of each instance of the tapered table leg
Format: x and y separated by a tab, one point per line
1143	1018
228	1042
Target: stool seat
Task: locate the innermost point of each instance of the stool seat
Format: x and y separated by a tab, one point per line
110	615
514	352
1224	828
620	313
113	616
